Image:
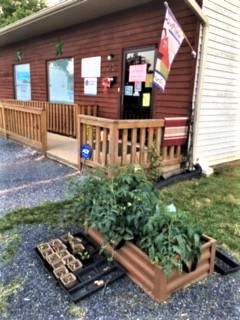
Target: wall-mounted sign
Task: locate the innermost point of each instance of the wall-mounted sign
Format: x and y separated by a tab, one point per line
91	67
86	152
23	82
90	86
137	73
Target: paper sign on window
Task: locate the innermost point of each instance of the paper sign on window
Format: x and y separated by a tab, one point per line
128	90
137	73
146	100
23	82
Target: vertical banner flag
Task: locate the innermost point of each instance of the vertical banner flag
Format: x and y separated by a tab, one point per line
170	42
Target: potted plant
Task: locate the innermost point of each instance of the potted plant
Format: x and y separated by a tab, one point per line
163	251
69	280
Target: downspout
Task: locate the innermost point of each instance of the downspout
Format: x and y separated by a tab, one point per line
192	4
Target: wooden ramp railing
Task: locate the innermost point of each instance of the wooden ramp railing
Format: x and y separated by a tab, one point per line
61	118
26	125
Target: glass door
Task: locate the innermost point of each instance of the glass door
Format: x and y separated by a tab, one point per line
137	83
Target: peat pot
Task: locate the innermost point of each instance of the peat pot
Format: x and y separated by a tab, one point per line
150	277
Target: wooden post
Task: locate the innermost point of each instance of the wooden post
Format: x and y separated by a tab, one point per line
113	144
5	122
79	164
43	131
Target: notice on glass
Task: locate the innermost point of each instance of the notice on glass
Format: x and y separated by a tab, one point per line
137	86
128	90
149	80
23	82
90	86
146	99
91	67
137	73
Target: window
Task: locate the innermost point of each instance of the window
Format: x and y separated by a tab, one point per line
61	80
22	81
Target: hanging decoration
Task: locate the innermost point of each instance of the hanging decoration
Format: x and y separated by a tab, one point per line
19	56
58	48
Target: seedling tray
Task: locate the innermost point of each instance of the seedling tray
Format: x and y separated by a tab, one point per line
97	272
225	264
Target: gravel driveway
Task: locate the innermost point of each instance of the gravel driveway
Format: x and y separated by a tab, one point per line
27	179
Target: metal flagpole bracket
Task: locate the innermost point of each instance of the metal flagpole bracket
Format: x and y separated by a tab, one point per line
193	53
166	4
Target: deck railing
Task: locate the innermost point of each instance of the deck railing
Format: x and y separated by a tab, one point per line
26	125
119	142
61	118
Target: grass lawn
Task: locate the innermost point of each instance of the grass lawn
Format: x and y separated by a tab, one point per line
214	203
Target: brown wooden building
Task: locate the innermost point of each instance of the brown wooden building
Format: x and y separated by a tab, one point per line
132	29
81	54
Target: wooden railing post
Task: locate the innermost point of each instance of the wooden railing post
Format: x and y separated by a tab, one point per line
44	130
113	144
78	121
5	122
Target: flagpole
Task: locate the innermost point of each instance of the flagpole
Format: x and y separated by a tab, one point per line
193	53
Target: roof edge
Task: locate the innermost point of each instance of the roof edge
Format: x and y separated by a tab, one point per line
44	13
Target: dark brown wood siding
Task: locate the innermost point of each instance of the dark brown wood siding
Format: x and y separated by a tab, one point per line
133	28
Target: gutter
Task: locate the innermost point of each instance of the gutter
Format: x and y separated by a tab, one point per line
192	4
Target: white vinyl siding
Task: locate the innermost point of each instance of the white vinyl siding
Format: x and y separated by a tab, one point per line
218	137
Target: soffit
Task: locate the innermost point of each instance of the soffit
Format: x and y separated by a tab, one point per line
61	16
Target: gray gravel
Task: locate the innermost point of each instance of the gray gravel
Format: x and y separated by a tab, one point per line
27	178
41	299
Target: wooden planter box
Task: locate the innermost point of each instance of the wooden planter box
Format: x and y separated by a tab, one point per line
150	277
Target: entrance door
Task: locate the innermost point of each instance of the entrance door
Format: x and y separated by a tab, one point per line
137	83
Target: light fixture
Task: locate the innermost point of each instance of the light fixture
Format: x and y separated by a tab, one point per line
110	57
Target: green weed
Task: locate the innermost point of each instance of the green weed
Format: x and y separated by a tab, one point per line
77	312
7	291
9	241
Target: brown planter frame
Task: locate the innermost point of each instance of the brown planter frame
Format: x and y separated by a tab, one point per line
149	276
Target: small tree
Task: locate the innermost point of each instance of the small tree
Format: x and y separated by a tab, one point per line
13	10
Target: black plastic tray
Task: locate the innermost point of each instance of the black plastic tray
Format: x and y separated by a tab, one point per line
97	272
225	264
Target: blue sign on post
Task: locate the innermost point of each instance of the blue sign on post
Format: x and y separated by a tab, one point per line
86	152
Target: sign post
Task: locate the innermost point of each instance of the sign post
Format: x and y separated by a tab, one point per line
85	154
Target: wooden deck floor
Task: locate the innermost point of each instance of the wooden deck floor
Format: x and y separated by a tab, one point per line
62	149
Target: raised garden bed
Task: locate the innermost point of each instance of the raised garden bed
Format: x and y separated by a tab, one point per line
149	276
79	274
